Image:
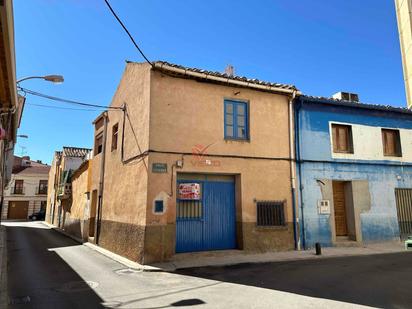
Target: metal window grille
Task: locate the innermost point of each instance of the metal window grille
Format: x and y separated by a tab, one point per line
404	208
189	209
270	213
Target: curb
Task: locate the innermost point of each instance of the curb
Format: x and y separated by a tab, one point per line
113	256
59	230
3	269
173	266
122	260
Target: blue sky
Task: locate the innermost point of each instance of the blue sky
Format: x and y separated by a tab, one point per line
320	46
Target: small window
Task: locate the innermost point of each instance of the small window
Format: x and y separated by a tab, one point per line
115	131
43	187
18	186
270	213
236	120
391	143
342	138
98	144
159	207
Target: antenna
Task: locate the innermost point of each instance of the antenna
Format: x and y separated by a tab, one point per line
23	150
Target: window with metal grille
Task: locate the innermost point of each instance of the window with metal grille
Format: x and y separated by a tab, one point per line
188	209
270	213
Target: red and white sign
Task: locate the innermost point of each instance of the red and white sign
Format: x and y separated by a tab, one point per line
189	191
3	134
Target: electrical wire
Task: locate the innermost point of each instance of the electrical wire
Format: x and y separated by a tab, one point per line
66	108
127	31
46	96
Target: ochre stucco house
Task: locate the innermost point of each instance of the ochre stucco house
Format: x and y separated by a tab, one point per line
189	160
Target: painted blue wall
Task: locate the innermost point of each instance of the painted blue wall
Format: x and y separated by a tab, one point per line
314	152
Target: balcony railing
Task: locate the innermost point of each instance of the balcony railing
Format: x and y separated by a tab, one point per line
17	190
65	191
41	190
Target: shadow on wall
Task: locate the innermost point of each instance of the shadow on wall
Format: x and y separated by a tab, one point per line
38	277
375	280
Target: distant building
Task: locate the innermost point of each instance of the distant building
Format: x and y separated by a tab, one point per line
59	201
404	16
355	171
27	191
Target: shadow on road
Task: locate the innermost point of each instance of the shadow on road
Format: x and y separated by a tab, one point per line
376	280
38	277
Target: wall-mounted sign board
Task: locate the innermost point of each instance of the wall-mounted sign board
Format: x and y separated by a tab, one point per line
159	167
189	191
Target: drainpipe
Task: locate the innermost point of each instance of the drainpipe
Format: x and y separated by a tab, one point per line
298	159
292	173
101	178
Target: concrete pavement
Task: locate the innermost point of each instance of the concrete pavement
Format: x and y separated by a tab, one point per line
49	270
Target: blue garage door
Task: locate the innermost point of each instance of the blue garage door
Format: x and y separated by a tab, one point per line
205	216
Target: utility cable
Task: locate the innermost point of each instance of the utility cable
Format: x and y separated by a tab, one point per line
128	33
66	108
46	96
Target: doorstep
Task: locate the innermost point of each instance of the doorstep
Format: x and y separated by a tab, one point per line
236	257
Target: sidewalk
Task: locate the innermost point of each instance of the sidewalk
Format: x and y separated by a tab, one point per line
233	257
3	268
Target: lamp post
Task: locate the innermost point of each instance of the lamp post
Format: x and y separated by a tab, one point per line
57	79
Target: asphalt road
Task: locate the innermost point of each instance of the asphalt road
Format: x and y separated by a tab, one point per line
49	270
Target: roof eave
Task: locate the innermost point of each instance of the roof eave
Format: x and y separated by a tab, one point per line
7	23
227	80
342	103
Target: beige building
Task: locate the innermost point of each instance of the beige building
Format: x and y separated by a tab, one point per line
404	16
11	104
27	191
59	201
189	160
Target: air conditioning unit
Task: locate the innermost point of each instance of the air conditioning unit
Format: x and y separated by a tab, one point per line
346	96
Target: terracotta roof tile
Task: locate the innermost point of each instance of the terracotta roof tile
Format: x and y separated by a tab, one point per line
338	102
160	64
75	151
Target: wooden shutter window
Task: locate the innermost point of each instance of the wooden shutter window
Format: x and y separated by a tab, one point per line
391	143
342	138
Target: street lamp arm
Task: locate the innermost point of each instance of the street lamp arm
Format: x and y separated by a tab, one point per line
29	77
49	78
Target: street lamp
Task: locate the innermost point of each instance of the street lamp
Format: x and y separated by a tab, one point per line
57	79
23	136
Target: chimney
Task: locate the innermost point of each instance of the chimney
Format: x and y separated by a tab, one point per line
230	70
346	96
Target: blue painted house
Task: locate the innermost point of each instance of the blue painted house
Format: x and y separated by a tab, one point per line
354	165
